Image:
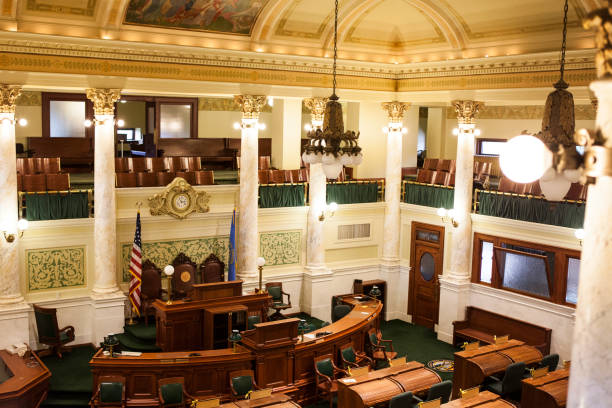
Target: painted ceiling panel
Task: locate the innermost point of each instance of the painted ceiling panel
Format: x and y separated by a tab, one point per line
305	19
62	7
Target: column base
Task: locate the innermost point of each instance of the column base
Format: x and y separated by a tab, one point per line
390	261
316	292
14	324
108	314
104	293
454	297
248	275
396	297
11	300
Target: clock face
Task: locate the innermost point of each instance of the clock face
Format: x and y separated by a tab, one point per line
181	201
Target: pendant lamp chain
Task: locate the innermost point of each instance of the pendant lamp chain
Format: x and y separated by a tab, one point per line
564	44
335	46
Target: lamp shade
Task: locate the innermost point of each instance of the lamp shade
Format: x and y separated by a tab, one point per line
261	261
524	159
375	291
169	270
333	206
22	224
332	170
235	336
555	188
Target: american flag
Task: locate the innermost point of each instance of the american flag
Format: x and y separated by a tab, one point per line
136	268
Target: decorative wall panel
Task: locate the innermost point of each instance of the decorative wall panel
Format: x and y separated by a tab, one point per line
55	268
280	248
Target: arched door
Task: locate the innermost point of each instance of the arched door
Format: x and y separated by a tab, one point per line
427	248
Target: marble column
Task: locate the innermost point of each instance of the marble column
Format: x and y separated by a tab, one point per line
317	277
247	217
590	384
13	309
454	285
108	299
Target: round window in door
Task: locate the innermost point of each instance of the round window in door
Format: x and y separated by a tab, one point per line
427	266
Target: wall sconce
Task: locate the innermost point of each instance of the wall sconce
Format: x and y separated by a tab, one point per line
249	124
579	234
448	216
21	122
394	127
331	209
22	225
88	122
468	130
261	261
169	271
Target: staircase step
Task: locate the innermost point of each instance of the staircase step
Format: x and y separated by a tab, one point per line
131	343
142	332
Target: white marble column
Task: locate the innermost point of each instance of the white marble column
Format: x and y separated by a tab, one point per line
247	217
13	309
454	285
590	383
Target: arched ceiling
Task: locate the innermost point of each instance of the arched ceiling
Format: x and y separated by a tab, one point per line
390	31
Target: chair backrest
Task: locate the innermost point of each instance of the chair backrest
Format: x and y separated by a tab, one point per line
191	163
430	164
325	366
151	280
348	354
155	164
506	185
46	324
126	179
122	165
51	165
304	175
171	390
264	162
277	176
513	377
426	176
212	270
205	177
58	182
275	290
252	321
441	390
402	400
339	311
34	182
137	164
441	178
184	274
189	176
373	337
19	182
264	176
551	361
173	164
146	179
241	381
165	177
112	389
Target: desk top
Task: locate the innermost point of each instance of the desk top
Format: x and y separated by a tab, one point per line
174	357
555	384
182	305
481	398
552	376
382	373
491	348
526	354
273	401
26	371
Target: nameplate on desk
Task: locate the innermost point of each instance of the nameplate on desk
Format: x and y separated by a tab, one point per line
358	371
131	353
181	360
539	372
471	346
254	395
167	361
309	336
430	404
348	380
501	339
209	403
397	361
366	313
470	392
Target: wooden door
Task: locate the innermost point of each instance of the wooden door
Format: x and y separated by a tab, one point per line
426	257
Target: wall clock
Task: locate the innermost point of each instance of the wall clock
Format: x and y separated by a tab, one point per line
178	200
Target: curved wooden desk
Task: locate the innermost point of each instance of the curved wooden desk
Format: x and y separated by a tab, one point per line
29	383
484	399
549	391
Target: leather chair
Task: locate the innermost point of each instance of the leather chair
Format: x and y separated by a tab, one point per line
264	162
137	164
122	165
126	180
352	358
34	182
403	400
339	311
146	179
326	377
275	289
150	289
212	270
189	176
49	332
511	383
164	177
241	383
205	177
51	165
551	361
110	392
377	346
58	182
264	176
441	390
184	276
155	164
252	321
171	392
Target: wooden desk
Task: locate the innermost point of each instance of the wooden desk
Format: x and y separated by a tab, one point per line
472	367
29	383
278	400
484	399
381	385
549	391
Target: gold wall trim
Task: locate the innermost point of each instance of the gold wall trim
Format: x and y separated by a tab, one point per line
224	105
581	112
29	98
49	7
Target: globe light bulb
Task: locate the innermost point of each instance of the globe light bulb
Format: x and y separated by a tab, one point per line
262	126
87	123
169	270
120	123
22	224
23	122
524	159
308	127
579	234
333	206
236	125
451	213
261	261
441	212
477	132
455	132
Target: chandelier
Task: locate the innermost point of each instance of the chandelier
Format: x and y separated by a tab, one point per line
331	145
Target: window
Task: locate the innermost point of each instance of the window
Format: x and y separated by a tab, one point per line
489	147
64	115
531	269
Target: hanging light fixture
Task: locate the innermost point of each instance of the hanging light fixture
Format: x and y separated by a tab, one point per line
554	142
332	146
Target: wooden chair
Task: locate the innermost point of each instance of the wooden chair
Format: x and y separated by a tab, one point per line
151	288
37	165
451	180
51	165
264	162
277	176
425	176
155	164
146	179
339	311
126	180
352	358
204	177
171	392
110	392
304	175
212	270
430	164
264	176
164	177
377	346
137	164
49	332
174	164
58	182
326	377
184	276
34	182
122	165
189	176
577	192
241	383
192	163
441	178
275	289
506	185
19	182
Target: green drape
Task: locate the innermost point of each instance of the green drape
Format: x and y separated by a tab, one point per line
430	196
352	193
569	215
290	195
56	206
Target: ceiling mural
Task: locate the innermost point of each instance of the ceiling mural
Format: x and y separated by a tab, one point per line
225	16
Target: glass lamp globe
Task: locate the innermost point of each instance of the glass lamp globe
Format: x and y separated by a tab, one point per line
579	234
555	188
333	206
261	261
524	159
441	212
22	224
169	270
332	170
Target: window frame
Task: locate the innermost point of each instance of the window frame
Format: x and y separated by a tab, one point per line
193	130
47	97
559	273
478	149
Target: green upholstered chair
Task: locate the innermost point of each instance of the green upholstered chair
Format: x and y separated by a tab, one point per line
171	392
241	383
377	347
252	321
441	390
110	392
326	377
551	361
510	384
352	358
49	332
403	400
275	290
339	311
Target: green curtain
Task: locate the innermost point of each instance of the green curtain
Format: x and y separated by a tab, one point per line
352	193
430	196
569	215
291	195
56	206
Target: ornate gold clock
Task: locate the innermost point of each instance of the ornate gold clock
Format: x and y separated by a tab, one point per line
179	200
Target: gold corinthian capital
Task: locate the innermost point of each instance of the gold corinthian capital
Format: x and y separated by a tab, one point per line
317	108
601	21
250	104
395	110
8	96
103	100
467	111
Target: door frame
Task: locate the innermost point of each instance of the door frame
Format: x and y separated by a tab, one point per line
412	278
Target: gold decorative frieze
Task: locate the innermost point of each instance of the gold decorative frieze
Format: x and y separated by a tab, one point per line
8	97
224	105
103	100
395	110
29	98
85	8
601	21
55	268
250	105
467	111
316	106
178	200
536	112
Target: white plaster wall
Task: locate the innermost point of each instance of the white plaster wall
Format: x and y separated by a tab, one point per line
372	118
215	124
33	114
410	139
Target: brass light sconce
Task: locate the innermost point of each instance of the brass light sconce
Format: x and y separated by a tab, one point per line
22	225
448	216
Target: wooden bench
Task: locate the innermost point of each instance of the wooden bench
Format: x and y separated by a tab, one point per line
483	325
